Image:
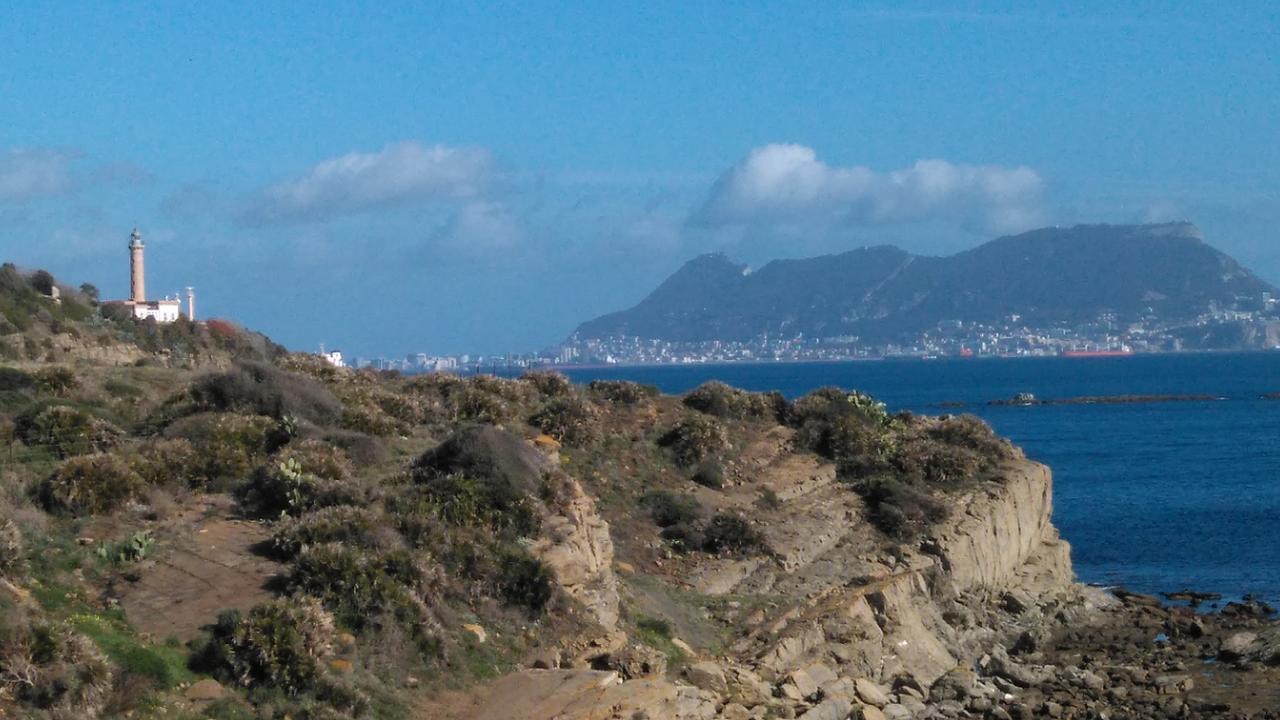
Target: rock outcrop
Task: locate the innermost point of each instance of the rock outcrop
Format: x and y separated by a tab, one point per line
576	546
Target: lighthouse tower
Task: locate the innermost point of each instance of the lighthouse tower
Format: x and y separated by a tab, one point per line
137	276
165	311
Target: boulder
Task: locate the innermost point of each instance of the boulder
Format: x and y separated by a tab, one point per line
1237	646
707	676
207	690
870	693
868	712
830	709
638	661
894	711
803	682
747	687
957	684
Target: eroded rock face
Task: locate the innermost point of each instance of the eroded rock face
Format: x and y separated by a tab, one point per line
1005	539
929	611
576	546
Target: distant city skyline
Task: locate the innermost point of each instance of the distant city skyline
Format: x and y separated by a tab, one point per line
481	178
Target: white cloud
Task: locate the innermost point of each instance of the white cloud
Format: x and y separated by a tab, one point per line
399	174
483	225
33	173
788	185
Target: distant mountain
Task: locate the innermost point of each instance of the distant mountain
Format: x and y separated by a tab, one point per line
881	293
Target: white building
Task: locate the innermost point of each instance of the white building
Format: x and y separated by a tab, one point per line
333	357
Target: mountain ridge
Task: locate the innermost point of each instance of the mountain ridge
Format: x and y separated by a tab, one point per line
1050	276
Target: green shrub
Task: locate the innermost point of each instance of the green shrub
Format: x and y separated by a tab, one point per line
685	536
229	445
471	501
898	509
769	499
15	379
363	449
66	430
357	526
523	579
167	462
318	458
370	419
668	508
13	561
925	461
52	667
280	644
720	400
483	475
568	419
262	389
477	405
132	549
122	390
732	535
851	428
56	381
357	584
548	383
405	408
622	392
89	484
972	433
710	474
695	438
43	282
283	486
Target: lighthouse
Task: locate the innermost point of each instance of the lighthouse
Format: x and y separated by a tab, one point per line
137	275
165	311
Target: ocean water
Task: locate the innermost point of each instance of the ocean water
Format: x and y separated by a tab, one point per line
1154	496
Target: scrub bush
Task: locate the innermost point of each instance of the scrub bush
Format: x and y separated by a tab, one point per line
548	383
65	430
668	508
162	462
12	549
262	389
695	438
728	534
621	392
710	474
357	584
900	510
723	401
568	419
89	484
52	667
356	526
280	644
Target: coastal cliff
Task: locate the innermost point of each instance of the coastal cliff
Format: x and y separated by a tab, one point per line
843	617
275	536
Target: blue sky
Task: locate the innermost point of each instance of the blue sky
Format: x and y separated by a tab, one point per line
482	176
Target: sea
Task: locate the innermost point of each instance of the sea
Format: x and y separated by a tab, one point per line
1153	496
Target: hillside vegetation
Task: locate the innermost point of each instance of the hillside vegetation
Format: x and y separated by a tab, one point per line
361	541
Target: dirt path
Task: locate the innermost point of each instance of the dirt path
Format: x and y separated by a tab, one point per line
213	569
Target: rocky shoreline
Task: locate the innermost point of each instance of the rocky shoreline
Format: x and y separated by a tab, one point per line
1143	659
